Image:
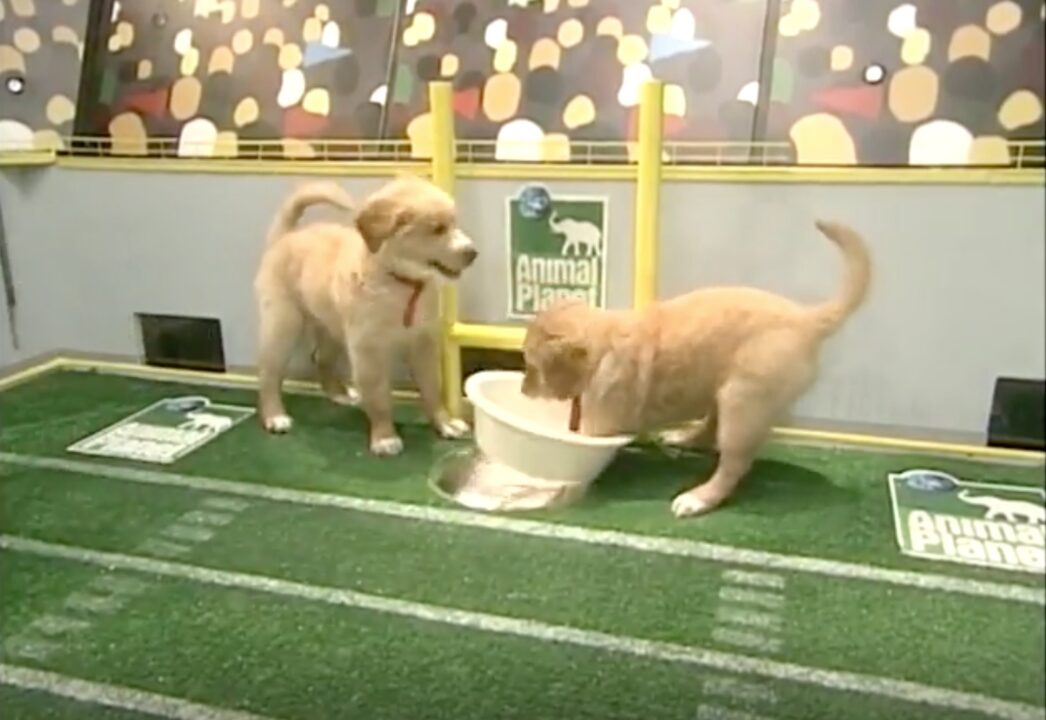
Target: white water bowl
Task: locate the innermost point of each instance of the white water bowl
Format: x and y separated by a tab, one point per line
533	436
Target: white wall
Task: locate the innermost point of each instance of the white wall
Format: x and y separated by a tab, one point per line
958	297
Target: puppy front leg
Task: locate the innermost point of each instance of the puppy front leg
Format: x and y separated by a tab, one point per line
370	372
423	356
732	466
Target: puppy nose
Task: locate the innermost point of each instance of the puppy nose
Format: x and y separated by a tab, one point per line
469	254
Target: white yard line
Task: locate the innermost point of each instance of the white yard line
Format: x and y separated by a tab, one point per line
94	604
51	625
667	652
763	638
740	595
32	648
553	531
115	696
188	533
207	517
748	618
746	640
712	712
740	690
163	548
755	579
107	594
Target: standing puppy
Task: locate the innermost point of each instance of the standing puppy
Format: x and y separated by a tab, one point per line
737	357
367	291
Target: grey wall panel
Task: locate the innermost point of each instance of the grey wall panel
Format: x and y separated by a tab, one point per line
7	350
958	297
92	248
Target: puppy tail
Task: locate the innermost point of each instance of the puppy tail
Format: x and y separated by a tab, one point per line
314	193
831	315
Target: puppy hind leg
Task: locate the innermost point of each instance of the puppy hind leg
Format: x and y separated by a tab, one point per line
280	330
329	358
697	437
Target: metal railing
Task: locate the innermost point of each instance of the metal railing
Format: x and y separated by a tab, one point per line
1028	154
575	152
1023	154
322	150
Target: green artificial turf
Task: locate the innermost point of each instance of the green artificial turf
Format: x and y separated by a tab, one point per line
35	705
296	659
824	502
832	623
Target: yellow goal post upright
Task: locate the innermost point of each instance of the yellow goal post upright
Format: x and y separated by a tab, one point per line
443	175
649	149
648	154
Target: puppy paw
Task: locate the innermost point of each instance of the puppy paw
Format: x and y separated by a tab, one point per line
688	503
453	429
278	424
387	447
351	397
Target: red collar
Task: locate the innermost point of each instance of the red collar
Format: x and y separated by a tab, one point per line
575	414
416	286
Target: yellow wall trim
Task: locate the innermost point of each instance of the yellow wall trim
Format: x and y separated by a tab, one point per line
243	167
27	158
543	171
856	175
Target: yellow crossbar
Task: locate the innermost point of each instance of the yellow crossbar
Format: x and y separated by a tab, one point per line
488	337
457	335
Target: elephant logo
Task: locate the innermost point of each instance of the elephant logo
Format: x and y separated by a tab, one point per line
579	235
1012	511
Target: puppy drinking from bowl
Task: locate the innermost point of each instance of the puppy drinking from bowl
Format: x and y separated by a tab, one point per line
736	357
363	291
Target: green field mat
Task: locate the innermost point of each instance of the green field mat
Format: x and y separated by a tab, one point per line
269	596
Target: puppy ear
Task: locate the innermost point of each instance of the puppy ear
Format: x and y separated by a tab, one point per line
576	354
379	219
569	354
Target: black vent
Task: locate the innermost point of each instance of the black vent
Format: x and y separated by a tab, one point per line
1017	414
182	342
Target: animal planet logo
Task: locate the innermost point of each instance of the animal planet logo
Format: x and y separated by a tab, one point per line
557	250
163	432
939	517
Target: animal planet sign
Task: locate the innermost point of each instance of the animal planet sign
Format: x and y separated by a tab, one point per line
164	431
557	250
939	517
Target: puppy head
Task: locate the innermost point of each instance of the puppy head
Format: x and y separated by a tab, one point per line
412	225
556	352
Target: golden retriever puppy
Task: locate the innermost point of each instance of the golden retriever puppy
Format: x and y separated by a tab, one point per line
737	357
364	291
